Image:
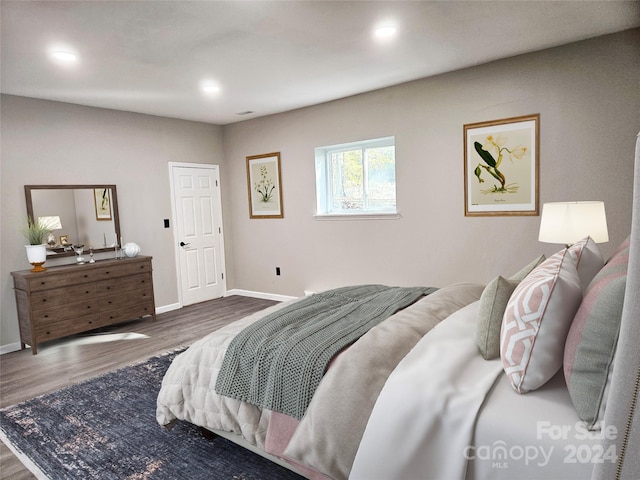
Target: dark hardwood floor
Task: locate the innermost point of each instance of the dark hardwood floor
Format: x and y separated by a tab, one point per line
73	359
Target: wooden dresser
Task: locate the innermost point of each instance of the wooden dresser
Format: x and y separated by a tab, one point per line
71	299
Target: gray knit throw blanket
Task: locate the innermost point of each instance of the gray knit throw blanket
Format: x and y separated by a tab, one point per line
278	362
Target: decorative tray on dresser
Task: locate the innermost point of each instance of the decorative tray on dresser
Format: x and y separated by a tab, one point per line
71	299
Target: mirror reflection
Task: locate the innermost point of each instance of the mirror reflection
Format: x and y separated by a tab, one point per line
78	214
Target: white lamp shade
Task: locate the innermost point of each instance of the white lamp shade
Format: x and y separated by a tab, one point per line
52	223
569	222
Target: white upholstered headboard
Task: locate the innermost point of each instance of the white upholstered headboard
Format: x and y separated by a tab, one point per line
623	405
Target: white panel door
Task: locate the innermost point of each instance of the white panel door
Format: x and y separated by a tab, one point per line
198	221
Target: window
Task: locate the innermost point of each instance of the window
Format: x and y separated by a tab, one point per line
356	178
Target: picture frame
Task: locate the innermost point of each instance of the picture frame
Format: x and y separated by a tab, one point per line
501	167
102	202
264	184
64	240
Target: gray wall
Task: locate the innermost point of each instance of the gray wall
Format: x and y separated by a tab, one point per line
57	143
586	94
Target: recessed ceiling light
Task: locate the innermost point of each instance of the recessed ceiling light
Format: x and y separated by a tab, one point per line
385	31
210	88
64	56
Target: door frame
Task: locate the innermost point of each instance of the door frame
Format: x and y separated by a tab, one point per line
176	240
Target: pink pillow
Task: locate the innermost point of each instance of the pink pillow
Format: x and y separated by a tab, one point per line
536	322
591	343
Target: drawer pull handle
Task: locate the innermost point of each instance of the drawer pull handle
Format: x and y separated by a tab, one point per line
86	276
46	316
44	300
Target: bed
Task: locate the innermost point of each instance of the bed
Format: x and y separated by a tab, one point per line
513	379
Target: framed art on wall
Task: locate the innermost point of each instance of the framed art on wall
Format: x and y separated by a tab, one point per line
102	201
265	186
501	167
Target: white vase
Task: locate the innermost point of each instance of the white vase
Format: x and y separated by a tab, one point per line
131	249
37	255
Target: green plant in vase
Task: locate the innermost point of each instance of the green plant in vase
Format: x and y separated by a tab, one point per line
35	232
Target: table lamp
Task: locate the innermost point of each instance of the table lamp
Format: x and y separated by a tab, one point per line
52	223
569	222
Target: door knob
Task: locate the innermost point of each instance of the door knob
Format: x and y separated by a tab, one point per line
182	244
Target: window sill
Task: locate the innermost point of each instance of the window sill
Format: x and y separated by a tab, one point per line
358	216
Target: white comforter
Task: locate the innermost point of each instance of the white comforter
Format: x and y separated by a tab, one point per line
187	391
426	411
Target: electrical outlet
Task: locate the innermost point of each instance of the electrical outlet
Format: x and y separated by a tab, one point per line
278	271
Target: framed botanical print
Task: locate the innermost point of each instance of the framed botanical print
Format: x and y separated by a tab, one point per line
501	167
265	186
102	201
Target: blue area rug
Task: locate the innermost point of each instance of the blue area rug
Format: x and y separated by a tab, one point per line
105	428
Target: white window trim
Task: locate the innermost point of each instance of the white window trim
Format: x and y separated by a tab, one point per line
358	216
322	201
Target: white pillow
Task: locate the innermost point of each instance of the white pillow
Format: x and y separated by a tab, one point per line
537	320
588	260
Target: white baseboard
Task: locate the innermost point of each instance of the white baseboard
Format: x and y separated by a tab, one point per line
11	347
267	296
168	308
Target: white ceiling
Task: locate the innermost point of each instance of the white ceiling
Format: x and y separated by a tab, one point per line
269	56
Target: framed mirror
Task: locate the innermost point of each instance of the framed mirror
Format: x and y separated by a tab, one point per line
81	214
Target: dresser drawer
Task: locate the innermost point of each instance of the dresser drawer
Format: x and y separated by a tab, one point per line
124	285
63	296
139	296
126	313
123	268
68	326
45	316
47	282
